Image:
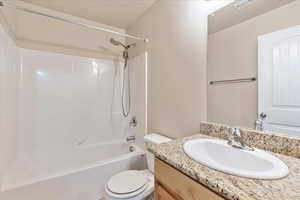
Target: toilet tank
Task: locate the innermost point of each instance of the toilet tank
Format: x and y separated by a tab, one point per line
153	138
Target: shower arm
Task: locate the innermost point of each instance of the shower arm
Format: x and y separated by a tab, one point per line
9	5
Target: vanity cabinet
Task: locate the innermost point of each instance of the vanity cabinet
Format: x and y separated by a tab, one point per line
171	184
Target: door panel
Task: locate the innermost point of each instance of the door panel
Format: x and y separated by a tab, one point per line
172	184
279	80
161	193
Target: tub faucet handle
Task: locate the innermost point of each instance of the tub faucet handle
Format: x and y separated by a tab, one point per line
133	122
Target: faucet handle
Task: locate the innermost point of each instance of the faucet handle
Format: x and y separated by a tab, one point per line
262	116
234	134
133	122
236	140
230	134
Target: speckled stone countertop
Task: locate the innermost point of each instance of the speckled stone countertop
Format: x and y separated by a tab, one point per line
268	141
228	186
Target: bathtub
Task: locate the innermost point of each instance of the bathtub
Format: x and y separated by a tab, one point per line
82	178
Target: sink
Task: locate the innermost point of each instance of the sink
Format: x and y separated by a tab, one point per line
218	155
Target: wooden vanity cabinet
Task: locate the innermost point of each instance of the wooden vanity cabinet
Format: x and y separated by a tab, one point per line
171	184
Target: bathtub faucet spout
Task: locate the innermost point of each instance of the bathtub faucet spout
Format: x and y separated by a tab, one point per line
130	138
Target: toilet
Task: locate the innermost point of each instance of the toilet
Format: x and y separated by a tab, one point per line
135	184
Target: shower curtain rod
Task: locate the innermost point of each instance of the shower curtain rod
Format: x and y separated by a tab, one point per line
9	5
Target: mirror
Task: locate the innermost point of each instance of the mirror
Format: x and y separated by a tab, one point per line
254	66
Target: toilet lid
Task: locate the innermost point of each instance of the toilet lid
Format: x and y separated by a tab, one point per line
127	195
126	182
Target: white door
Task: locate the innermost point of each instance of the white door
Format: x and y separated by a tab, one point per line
279	80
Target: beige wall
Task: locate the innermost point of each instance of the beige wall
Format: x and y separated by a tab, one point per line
41	33
232	53
176	66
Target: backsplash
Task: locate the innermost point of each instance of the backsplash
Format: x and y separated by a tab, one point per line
263	140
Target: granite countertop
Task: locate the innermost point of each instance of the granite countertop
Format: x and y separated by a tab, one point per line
229	186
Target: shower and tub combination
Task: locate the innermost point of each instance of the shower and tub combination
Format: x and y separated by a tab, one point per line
69	123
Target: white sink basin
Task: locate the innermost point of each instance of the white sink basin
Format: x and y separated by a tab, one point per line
218	155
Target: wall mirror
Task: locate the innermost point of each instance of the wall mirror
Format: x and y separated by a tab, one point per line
254	66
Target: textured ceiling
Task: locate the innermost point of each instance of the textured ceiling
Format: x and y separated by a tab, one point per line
229	16
117	13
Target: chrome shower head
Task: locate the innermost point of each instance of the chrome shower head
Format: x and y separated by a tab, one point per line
115	42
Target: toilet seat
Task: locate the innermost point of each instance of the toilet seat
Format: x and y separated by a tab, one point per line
127	195
126	182
137	193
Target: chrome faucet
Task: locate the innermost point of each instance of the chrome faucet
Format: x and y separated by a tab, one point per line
259	123
130	138
235	139
133	122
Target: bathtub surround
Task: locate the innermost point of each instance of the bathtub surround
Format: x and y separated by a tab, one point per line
63	135
267	141
228	186
74	105
61	122
9	69
236	104
138	73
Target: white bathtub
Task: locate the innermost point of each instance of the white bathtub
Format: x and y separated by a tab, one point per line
82	178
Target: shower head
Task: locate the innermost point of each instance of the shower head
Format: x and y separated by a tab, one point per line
117	43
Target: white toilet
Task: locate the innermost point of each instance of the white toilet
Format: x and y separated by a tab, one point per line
135	184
